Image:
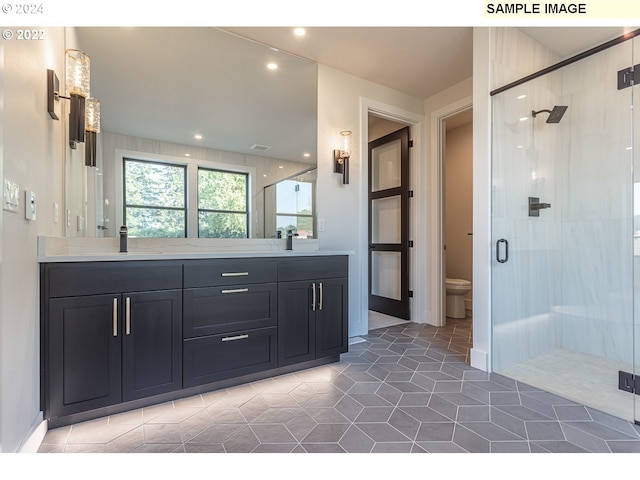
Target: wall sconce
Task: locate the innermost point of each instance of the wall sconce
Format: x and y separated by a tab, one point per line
77	88
341	157
92	128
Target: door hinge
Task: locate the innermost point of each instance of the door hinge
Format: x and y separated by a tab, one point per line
628	382
410	243
628	77
410	293
410	143
410	194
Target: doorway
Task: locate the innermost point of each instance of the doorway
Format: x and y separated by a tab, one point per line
388	242
457	214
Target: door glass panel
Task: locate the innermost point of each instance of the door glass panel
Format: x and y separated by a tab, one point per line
562	304
385	166
386	274
386	220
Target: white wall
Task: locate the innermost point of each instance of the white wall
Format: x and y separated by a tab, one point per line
33	152
344	207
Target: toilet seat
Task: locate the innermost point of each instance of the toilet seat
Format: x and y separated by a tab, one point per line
457	283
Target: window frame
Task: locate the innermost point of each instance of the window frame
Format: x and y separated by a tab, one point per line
247	199
191	165
312	215
183	209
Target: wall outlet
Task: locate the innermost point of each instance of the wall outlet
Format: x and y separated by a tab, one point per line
11	196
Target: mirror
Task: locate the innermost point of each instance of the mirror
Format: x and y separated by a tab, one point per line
194	95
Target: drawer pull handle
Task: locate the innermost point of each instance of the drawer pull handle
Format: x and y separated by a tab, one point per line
235	274
235	290
236	337
115	317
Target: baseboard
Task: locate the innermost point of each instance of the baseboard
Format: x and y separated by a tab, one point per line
33	441
479	360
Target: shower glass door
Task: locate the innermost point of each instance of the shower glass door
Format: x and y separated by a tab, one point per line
563	235
635	93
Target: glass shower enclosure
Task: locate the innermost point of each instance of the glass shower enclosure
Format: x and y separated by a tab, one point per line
566	231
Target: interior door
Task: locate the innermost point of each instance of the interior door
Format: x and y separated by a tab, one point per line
389	224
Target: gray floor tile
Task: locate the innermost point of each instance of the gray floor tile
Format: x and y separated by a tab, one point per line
403	389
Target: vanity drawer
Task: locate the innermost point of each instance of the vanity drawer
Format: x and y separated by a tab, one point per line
212	310
311	268
219	357
229	272
92	278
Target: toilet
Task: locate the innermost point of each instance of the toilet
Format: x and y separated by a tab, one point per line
456	289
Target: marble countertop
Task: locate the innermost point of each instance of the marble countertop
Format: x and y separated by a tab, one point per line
60	249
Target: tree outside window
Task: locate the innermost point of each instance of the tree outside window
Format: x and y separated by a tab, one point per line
154	199
222	204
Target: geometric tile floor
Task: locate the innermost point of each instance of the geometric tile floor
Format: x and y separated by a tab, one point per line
403	389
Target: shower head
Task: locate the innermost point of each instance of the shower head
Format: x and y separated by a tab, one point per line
555	115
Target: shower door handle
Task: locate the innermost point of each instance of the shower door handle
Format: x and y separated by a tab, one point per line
506	251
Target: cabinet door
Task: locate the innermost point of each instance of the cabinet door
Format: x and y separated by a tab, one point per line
83	354
296	329
331	317
151	343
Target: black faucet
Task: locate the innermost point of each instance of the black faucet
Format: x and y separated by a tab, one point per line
290	236
123	239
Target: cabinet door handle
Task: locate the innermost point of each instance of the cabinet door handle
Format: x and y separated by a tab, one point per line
235	337
235	274
313	300
127	315
115	317
320	303
235	290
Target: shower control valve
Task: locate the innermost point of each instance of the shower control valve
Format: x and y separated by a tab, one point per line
535	206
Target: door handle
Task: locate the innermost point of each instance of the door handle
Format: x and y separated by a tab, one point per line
504	259
115	317
127	315
320	303
313	300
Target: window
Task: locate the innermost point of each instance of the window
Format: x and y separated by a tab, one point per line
155	198
294	207
222	204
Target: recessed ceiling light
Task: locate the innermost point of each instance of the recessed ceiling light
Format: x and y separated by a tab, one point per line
299	32
187	154
272	66
521	97
305	154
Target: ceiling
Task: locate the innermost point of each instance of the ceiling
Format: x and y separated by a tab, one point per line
419	61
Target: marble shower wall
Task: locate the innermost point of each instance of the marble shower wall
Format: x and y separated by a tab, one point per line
596	164
568	283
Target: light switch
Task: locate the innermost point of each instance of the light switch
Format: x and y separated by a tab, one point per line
11	196
321	225
29	205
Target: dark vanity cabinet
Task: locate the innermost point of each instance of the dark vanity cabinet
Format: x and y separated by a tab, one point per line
230	312
117	335
312	308
113	333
